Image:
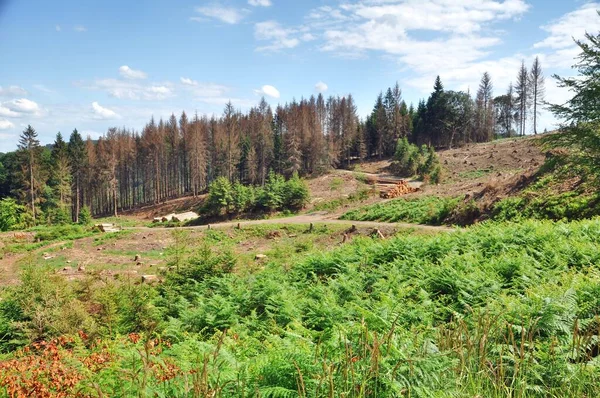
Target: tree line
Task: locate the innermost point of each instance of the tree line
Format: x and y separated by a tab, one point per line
180	156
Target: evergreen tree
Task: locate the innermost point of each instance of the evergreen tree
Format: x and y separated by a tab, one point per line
538	90
61	172
581	115
523	93
78	162
30	152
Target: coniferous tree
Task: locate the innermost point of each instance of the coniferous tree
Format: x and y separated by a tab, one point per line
30	152
484	110
61	172
522	92
77	162
538	90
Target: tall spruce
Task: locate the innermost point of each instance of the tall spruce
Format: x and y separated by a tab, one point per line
538	89
30	151
522	92
77	162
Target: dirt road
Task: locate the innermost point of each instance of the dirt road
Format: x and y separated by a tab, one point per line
314	218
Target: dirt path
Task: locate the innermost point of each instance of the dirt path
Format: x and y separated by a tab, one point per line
314	218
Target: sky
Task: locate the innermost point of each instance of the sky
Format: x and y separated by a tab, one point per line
93	65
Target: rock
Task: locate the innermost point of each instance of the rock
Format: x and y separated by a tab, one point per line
139	264
137	258
69	261
259	257
150	279
48	257
81	268
67	269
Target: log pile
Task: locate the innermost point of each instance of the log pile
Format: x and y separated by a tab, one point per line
400	189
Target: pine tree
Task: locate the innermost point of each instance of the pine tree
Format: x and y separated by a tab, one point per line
61	172
30	151
77	162
485	110
522	92
538	90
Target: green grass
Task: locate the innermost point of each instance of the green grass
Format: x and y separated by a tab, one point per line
429	210
496	310
334	204
475	174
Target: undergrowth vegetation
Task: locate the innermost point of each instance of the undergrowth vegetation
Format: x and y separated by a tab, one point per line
412	160
496	310
430	210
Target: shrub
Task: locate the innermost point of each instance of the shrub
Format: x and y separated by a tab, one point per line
11	214
410	160
85	216
273	195
220	196
296	193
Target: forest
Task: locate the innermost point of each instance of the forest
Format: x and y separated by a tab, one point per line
168	159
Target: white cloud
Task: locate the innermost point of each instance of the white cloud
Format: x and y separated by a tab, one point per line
131	90
228	15
260	3
21	105
559	43
188	81
129	73
80	28
99	112
12	91
5	124
58	28
321	87
279	36
269	91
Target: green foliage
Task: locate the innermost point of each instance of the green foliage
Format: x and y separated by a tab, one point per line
63	232
85	216
296	194
277	195
425	210
11	214
220	196
410	160
272	196
500	309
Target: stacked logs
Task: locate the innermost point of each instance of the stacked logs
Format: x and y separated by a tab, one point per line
400	189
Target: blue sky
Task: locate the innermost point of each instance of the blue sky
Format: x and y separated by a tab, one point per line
92	65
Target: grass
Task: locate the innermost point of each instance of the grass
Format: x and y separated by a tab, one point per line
334	204
499	309
429	210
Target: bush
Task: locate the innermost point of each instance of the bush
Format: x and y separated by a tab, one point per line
296	193
85	216
410	160
11	214
273	194
220	196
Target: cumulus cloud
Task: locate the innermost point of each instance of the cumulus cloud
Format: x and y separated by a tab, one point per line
269	91
260	3
188	81
5	124
321	87
229	15
129	73
80	28
559	45
21	105
12	91
279	36
100	112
